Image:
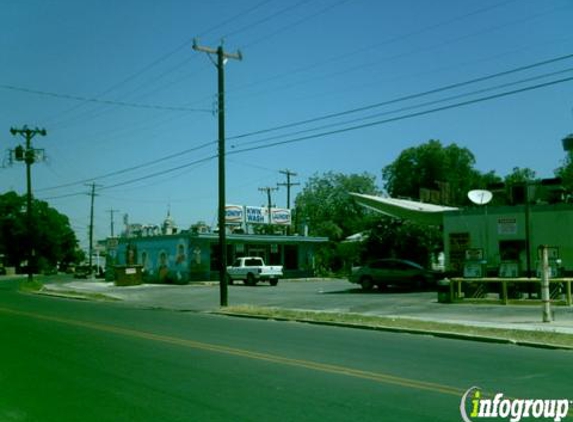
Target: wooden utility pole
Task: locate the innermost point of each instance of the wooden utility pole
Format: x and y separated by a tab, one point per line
288	183
111	212
222	57
28	155
268	191
91	228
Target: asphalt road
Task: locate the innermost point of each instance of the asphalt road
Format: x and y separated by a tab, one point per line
64	360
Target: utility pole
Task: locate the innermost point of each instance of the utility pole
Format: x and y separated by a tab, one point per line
268	191
91	234
288	185
222	57
111	212
28	155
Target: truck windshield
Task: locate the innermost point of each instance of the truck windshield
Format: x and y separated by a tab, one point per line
253	262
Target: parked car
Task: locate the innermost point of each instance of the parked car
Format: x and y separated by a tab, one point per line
82	271
396	272
252	269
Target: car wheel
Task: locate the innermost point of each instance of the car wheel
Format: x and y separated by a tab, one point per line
419	283
274	281
250	281
230	280
367	284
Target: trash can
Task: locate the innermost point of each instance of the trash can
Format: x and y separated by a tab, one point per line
128	275
444	293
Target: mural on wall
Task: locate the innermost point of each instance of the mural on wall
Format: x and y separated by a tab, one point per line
181	266
199	264
131	254
163	269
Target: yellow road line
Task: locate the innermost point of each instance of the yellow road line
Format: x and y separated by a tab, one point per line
322	367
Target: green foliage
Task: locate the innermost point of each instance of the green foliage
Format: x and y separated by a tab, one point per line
519	176
393	238
53	239
565	172
449	170
327	208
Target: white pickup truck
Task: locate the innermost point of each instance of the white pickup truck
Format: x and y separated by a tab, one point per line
252	269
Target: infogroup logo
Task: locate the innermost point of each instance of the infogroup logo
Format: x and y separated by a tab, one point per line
512	409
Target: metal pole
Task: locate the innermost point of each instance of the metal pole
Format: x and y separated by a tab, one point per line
223	293
545	298
527	231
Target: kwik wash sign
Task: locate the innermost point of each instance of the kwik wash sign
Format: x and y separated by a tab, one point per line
239	214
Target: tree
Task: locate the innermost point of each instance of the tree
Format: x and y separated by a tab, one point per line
519	176
54	240
394	238
327	208
447	170
565	172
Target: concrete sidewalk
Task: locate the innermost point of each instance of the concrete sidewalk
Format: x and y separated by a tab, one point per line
334	296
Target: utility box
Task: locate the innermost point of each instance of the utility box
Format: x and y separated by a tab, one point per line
444	291
128	275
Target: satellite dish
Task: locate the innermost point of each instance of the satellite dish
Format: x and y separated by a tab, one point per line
479	196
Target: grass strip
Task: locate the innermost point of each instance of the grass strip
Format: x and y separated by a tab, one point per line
532	337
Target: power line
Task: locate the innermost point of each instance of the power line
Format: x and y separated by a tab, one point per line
338	114
323	75
170	53
406	97
138	179
407	116
298	22
265	19
160	173
136	167
334	132
415	106
374	46
100	101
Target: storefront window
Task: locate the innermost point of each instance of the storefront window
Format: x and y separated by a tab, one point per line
291	257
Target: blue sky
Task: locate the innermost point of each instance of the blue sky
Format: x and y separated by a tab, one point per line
117	85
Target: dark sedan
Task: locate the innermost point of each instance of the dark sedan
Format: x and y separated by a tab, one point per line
395	272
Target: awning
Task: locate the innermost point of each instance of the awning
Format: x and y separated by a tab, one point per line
419	212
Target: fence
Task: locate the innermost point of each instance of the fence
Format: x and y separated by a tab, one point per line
478	287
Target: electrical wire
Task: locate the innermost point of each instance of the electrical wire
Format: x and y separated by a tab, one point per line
338	114
126	170
407	116
163	58
377	45
406	108
348	129
324	76
100	101
403	98
265	19
160	173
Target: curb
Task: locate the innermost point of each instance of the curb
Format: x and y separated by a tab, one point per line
77	296
439	334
